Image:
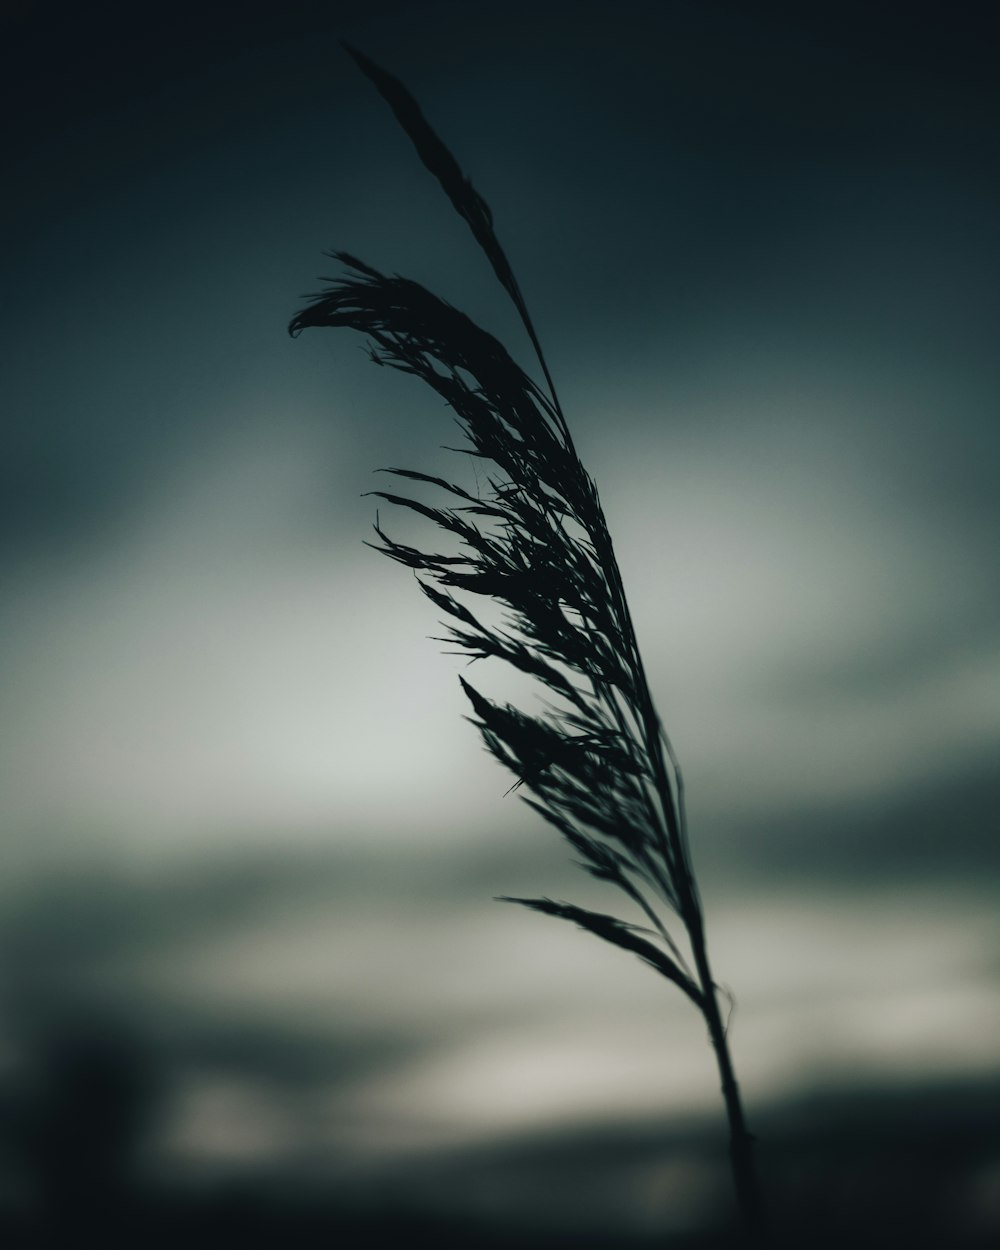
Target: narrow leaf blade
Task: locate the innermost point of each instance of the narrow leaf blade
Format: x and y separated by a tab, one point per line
618	933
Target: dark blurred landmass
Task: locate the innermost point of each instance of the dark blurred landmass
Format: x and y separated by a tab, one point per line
915	1167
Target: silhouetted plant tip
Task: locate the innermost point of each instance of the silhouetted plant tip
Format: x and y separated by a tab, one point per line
596	763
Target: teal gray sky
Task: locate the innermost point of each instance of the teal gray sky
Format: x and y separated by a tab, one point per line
240	807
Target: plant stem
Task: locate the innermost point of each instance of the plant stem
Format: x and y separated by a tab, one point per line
741	1141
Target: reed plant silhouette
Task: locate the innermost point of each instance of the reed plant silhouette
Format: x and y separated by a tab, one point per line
596	763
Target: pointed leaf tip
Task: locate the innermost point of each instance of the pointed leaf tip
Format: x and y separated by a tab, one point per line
618	933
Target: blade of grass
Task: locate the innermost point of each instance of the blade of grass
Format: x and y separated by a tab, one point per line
597	763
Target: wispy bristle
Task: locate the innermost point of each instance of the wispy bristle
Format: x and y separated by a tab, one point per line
537	543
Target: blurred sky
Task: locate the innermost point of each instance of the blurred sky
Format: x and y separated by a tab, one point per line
240	806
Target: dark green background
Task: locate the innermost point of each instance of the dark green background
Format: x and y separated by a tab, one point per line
248	839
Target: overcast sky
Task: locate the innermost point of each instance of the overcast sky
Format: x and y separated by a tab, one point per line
240	805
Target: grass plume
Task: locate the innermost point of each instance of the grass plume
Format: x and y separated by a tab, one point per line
596	763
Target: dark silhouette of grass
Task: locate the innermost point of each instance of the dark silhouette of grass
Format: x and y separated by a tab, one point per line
597	763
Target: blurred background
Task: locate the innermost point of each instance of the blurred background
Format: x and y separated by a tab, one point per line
253	980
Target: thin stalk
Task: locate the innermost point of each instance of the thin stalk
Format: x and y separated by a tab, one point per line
741	1140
